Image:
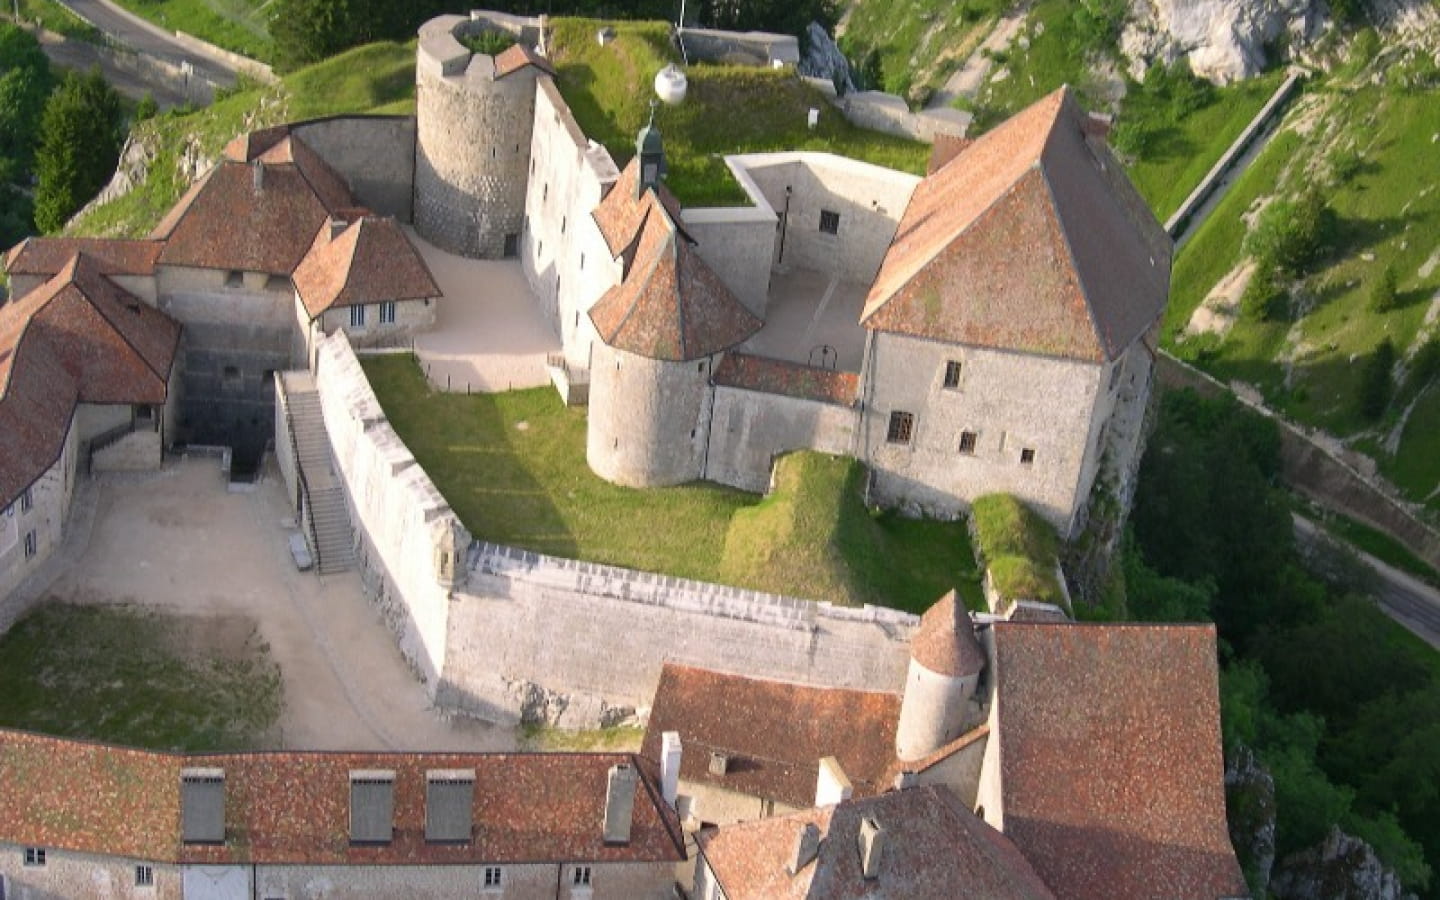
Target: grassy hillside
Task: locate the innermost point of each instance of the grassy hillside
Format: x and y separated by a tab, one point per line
917	43
236	25
729	109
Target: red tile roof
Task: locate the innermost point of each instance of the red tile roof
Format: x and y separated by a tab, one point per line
113	256
293	807
774	733
76	338
1111	772
933	849
518	56
774	376
369	262
1031	239
669	305
621	213
259	215
945	642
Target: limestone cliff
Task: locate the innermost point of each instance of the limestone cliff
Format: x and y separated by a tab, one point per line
1342	867
1224	40
1250	811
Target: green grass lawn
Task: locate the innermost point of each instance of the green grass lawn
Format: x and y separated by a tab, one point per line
512	466
728	109
240	26
373	78
135	677
1020	549
54	17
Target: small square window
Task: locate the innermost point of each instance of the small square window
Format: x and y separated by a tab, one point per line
230	373
902	425
31	548
277	283
493	876
952	374
27	501
35	856
968	439
144	876
234	278
357	317
829	222
1027	456
387	312
581	876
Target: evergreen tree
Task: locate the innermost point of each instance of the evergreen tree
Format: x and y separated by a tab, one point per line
25	82
80	136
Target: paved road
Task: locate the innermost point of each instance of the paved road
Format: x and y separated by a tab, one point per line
1402	597
134	32
81	56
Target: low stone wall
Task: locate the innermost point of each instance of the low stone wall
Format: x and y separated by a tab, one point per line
1317	473
739	48
889	113
541	639
138	451
749	429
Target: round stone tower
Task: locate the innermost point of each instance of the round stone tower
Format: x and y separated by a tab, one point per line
945	665
473	115
646	418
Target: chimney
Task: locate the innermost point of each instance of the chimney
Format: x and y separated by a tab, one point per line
449	805
257	171
337	225
807	847
202	806
832	785
620	803
719	762
872	847
372	806
670	751
1098	125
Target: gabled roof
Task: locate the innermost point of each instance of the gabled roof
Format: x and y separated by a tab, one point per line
1030	239
945	642
669	305
933	849
370	261
113	256
773	732
518	56
293	807
257	214
77	338
621	213
1111	774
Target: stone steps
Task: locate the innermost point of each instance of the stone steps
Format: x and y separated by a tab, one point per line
332	534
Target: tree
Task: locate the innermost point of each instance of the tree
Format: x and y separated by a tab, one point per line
1375	384
1382	292
80	136
1292	235
25	82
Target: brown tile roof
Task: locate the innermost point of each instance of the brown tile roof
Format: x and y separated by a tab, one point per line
774	376
370	261
113	256
1031	239
774	733
670	305
621	214
248	146
938	755
945	642
518	56
934	849
76	338
945	148
293	807
226	222
1111	773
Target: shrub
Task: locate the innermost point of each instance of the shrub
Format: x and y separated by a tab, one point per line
1375	385
1265	297
488	42
1292	235
1382	292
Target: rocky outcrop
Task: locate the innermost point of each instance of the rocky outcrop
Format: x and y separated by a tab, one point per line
1341	867
1224	40
823	59
1250	812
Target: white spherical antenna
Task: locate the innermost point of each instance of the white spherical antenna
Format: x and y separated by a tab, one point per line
670	84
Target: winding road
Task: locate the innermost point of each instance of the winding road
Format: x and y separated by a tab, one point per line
129	30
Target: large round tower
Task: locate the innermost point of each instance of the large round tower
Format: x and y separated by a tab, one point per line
473	116
945	665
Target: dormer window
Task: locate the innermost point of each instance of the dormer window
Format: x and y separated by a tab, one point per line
372	806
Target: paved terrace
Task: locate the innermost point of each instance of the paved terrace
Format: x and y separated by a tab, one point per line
809	310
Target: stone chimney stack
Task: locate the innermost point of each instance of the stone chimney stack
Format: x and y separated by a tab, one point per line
670	753
832	785
872	847
807	847
620	803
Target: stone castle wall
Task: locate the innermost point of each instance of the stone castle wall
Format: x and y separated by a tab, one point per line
648	418
375	155
472	149
748	429
50	497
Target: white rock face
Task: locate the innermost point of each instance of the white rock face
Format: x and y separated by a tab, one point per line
1223	39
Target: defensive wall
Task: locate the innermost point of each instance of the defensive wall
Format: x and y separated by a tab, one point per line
889	113
375	154
520	636
739	48
749	428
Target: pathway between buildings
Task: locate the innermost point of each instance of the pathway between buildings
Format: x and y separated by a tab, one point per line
180	540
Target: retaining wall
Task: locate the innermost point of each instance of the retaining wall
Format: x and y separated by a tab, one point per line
748	429
375	154
889	113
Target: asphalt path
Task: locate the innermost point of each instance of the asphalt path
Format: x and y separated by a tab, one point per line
131	31
80	56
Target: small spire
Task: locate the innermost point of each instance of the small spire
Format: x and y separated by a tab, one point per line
651	150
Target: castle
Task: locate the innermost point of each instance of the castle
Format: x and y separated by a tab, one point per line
988	327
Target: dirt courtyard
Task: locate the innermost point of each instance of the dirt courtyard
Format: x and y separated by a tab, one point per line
182	541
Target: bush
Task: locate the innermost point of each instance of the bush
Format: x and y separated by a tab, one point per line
1292	235
1382	292
490	43
1265	297
147	108
1375	384
80	144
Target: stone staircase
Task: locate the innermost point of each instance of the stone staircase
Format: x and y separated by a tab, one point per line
331	536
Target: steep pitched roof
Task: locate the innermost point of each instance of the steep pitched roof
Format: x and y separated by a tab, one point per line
370	261
1111	775
257	214
670	304
518	56
774	733
1030	239
293	807
945	642
77	338
621	213
114	256
934	849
